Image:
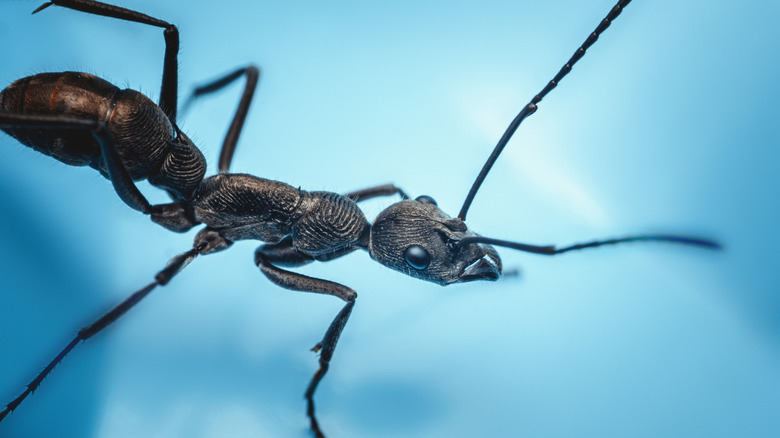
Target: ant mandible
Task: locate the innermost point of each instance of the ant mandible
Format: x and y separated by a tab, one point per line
80	119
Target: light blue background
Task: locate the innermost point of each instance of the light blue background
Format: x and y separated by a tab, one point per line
669	123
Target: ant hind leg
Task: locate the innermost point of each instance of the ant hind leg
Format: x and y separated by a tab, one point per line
120	178
170	78
174	216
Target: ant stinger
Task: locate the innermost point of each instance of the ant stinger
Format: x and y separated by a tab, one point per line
83	120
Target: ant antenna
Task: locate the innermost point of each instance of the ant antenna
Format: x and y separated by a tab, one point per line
531	107
552	250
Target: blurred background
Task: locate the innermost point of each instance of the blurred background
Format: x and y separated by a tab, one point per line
669	124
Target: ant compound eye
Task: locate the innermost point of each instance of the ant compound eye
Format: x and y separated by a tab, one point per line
417	257
425	199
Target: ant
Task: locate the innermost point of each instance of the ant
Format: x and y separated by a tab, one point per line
83	120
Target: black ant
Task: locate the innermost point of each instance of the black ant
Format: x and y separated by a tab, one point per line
83	120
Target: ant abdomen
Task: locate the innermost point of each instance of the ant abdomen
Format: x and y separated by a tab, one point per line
139	128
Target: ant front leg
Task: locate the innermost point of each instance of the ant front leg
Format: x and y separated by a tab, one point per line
252	74
374	192
386	190
326	347
173	216
170	78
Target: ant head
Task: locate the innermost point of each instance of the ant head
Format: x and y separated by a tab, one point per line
420	240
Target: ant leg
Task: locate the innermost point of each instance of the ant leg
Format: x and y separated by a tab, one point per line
170	77
326	347
283	254
252	74
172	216
373	192
175	265
120	178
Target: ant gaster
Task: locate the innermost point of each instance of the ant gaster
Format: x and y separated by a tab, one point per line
80	119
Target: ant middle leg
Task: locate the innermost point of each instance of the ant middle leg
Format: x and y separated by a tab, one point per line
252	74
175	265
170	77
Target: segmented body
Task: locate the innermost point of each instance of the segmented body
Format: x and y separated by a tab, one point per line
247	207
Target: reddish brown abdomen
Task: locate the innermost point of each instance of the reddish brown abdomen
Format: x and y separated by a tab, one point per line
138	127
